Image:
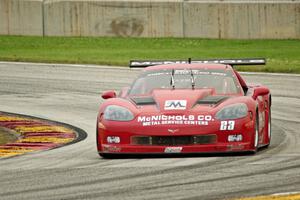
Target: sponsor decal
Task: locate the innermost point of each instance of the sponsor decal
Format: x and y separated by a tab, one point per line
155	120
227	125
173	149
187	72
108	148
235	147
173	130
175	105
215	61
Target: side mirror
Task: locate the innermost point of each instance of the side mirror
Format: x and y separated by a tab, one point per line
108	94
260	91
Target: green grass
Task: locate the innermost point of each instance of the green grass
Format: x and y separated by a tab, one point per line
282	55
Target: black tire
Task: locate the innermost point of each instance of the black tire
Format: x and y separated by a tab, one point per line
256	134
269	128
97	139
105	155
110	155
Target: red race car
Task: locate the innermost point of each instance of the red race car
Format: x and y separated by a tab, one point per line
193	106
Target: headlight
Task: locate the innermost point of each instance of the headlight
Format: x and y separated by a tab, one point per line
234	111
117	113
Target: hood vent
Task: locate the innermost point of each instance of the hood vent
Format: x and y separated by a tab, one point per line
212	99
143	100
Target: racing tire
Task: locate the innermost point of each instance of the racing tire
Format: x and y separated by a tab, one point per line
105	155
256	135
97	141
269	134
111	155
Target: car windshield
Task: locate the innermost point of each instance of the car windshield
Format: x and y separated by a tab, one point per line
223	82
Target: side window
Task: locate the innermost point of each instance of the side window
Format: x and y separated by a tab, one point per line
241	82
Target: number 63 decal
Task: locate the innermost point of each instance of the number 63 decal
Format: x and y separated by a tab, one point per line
227	125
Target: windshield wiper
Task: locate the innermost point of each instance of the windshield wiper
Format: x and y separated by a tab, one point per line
172	82
192	79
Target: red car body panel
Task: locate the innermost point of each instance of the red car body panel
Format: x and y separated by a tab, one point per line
194	129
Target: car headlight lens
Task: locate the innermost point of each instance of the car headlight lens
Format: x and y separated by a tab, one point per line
234	111
117	113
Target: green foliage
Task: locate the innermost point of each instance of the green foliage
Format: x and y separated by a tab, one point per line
282	55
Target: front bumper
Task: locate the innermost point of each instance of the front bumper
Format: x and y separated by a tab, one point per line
125	132
139	149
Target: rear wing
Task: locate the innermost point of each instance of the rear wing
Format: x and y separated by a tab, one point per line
232	62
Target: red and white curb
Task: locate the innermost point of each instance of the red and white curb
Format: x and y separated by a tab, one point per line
34	135
276	196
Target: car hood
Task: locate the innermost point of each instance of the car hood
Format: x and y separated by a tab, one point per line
178	100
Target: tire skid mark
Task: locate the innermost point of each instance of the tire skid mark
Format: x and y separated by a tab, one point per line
141	176
33	135
79	184
225	177
226	195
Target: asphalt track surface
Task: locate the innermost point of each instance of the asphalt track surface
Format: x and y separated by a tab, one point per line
71	94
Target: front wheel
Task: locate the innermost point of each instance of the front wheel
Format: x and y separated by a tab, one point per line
256	134
111	155
98	144
106	156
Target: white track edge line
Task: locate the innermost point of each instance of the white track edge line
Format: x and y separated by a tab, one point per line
126	68
285	193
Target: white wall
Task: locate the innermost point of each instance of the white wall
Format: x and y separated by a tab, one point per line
152	18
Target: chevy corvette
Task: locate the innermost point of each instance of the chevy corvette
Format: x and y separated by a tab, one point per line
192	106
